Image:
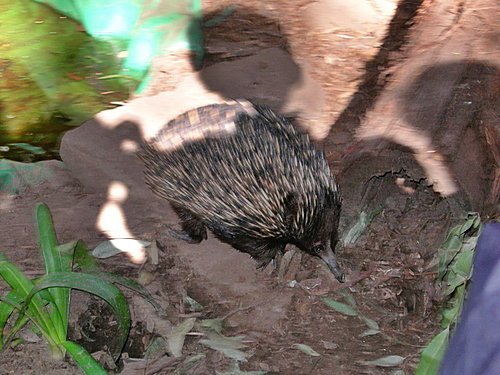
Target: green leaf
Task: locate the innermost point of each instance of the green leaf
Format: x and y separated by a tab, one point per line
190	363
48	240
175	339
214	325
348	298
87	263
307	350
432	354
5	313
7	307
389	361
27	147
369	332
22	286
455	267
129	284
14	277
463	264
53	262
472	221
67	252
12	301
83	258
454	281
193	304
447	253
226	345
83	359
360	226
340	307
469	244
477	221
94	285
469	222
458	240
156	349
372	324
451	314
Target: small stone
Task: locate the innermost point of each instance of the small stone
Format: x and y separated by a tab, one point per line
328	345
145	278
264	367
311	283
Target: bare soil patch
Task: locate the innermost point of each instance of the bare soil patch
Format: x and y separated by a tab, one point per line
390	272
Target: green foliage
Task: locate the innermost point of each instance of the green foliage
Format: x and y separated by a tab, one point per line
45	302
357	230
27	147
229	346
454	272
350	309
340	307
49	71
433	353
307	350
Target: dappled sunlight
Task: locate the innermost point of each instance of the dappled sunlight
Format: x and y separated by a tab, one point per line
129	146
150	114
111	221
402	133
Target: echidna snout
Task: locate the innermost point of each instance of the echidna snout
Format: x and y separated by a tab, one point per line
325	238
326	253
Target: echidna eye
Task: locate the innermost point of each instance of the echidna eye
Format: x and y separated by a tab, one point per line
318	249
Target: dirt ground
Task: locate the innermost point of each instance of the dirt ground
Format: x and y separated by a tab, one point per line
390	269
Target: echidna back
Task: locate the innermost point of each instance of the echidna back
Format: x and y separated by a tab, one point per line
239	182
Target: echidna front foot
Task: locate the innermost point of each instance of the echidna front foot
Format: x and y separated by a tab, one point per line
193	229
267	253
185	236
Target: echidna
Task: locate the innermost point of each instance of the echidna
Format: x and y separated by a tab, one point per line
250	177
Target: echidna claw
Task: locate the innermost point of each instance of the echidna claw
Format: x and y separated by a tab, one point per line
276	263
181	235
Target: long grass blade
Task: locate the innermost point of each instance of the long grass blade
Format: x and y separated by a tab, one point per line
21	285
83	359
432	354
83	259
97	286
87	264
12	301
67	251
6	311
53	263
129	284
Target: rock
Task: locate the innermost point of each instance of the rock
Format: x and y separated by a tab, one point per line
326	16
